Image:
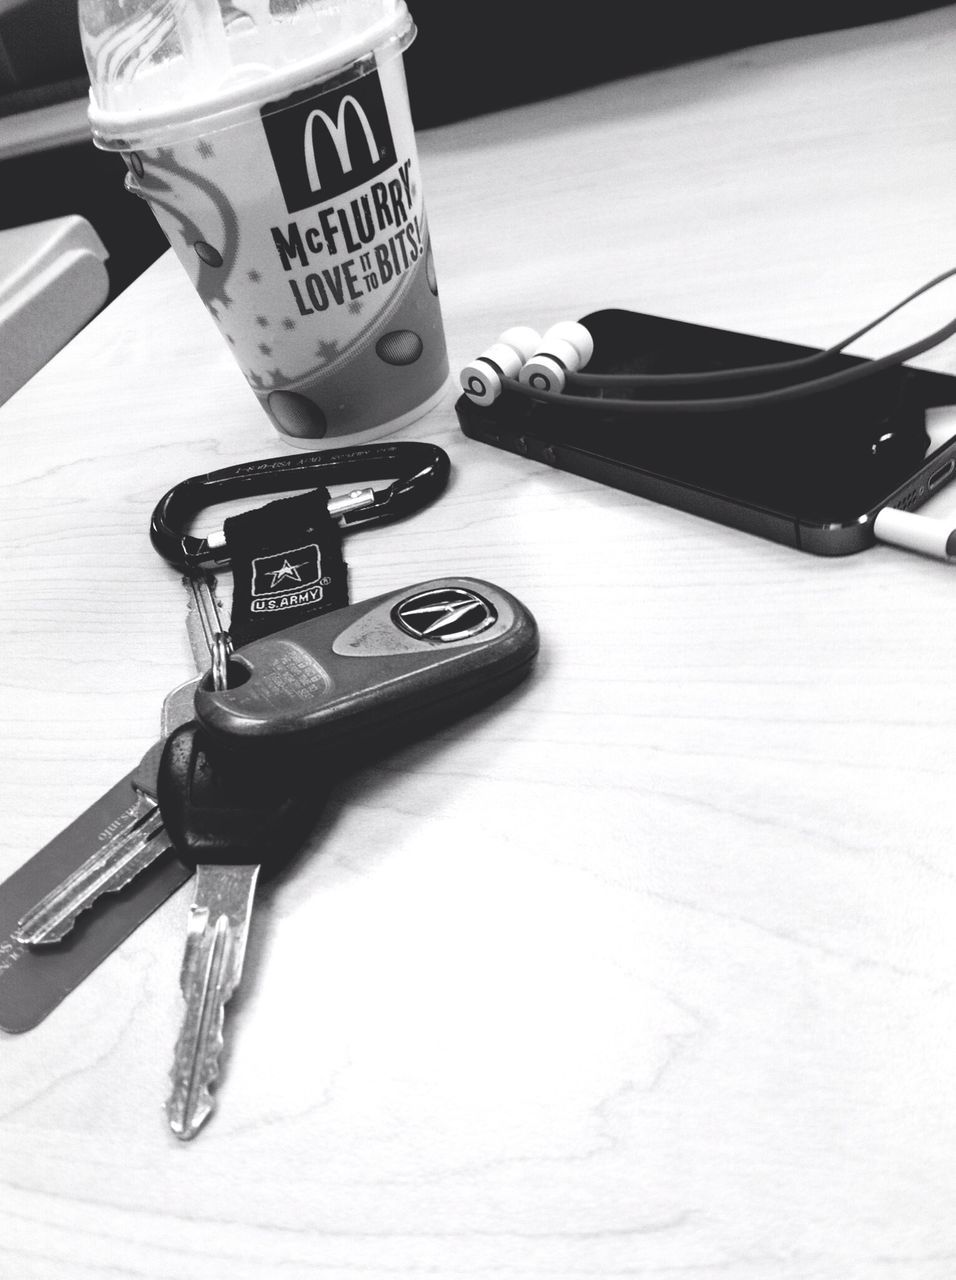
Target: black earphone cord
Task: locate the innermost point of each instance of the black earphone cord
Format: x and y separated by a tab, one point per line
799	390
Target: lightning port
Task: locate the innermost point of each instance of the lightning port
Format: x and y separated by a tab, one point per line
943	473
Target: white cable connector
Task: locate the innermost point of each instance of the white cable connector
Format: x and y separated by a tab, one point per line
928	534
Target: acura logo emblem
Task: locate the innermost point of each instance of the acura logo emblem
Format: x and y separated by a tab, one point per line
444	614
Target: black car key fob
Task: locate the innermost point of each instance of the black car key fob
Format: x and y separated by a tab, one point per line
384	669
221	806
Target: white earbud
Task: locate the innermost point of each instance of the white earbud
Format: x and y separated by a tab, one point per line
481	380
565	347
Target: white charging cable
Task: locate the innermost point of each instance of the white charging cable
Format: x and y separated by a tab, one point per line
928	534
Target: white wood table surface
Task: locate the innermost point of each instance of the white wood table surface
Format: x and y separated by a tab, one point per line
649	970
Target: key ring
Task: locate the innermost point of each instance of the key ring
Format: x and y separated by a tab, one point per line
422	471
220	650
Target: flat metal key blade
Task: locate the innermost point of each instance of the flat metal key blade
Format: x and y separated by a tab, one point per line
212	967
135	841
135	846
34	980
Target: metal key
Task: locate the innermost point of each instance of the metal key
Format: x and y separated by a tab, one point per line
239	788
139	839
217	930
227	815
136	843
376	668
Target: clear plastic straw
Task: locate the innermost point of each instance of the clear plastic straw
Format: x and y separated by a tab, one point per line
259	11
202	33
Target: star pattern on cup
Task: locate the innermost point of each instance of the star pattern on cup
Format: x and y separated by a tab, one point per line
270	380
327	351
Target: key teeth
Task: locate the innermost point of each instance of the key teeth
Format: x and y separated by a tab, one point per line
208	971
188	1109
212	967
55	915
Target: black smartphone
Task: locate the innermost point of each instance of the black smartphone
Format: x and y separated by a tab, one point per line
811	472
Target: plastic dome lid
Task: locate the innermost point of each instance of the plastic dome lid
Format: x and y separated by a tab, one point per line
162	69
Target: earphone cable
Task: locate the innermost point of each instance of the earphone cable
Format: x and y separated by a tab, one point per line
591	381
725	404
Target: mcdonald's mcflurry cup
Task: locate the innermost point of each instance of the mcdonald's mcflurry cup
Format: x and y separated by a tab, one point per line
296	209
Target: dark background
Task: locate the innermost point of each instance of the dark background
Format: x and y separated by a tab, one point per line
519	52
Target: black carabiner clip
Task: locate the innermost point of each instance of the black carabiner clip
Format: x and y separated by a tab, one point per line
422	471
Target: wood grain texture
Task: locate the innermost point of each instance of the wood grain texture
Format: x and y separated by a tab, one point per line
647	970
